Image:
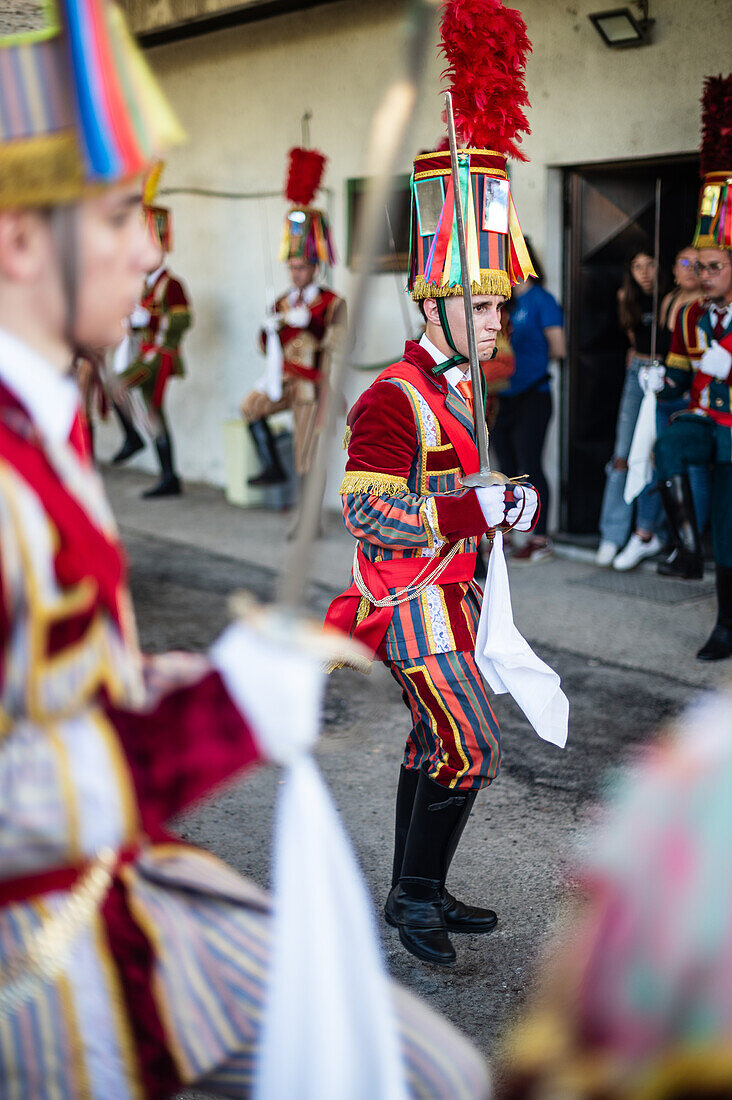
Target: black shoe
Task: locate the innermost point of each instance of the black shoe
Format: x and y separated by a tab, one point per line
270	476
718	645
416	905
167	487
130	447
682	565
459	917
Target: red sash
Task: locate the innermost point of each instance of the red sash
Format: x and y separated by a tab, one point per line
380	578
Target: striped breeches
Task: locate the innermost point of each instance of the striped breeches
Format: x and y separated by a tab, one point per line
455	735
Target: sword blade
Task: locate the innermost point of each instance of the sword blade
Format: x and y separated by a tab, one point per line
476	377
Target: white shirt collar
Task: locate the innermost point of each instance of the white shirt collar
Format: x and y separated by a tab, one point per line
454	374
51	399
309	294
721	312
152	278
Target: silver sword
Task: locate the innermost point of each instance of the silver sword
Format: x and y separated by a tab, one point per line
485	476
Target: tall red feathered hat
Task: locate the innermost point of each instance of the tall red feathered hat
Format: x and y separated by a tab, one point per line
714	224
306	232
485	46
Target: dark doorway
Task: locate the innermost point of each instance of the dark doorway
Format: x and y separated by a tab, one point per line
608	213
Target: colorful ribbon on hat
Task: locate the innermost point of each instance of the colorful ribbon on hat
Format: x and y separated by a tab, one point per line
124	119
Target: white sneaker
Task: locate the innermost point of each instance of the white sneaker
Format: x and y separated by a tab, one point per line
605	553
634	551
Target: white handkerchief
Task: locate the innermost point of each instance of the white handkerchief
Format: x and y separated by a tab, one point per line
508	662
640	465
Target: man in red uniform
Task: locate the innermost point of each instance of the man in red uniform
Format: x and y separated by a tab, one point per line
303	321
157	326
297	335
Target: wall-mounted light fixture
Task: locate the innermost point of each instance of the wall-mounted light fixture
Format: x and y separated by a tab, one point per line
620	29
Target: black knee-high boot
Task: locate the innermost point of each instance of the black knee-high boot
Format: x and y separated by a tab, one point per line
133	441
687	560
719	644
416	902
169	484
271	472
459	917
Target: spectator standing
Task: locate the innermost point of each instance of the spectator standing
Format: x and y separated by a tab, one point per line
525	409
687	289
635	311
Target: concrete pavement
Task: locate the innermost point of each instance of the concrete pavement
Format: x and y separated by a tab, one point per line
635	620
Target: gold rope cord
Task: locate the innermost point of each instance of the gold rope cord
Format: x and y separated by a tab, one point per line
48	952
408	592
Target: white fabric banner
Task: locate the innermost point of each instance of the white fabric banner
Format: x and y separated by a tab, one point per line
328	1031
640	464
508	662
271	381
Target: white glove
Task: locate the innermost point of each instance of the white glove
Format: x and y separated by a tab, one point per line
716	361
272	322
528	499
492	502
297	317
139	317
277	687
652	379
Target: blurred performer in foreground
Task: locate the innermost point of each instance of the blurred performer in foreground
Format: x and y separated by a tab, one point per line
157	324
410	438
700	363
635	993
131	964
296	336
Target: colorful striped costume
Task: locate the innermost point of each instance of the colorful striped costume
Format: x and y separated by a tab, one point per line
158	356
702	434
410	437
131	964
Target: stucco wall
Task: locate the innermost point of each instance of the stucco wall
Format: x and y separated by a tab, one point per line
240	94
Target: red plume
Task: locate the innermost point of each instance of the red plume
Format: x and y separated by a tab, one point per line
716	150
304	173
486	46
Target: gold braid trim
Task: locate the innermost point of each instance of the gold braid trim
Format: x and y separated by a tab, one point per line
347	438
681	362
368	481
491	282
41	171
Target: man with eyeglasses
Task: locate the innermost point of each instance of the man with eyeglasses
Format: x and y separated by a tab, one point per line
700	364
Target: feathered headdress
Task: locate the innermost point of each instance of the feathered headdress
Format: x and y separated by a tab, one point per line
714	224
306	232
485	46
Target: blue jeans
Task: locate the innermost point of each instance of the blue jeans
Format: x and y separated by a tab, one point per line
616	517
700	477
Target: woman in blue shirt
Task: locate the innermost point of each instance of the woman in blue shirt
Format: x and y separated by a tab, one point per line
525	408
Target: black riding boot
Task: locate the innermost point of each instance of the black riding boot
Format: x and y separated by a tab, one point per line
133	441
406	790
687	561
271	472
416	902
169	484
719	643
459	917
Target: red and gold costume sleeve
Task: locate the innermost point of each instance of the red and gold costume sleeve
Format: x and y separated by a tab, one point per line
378	505
679	365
